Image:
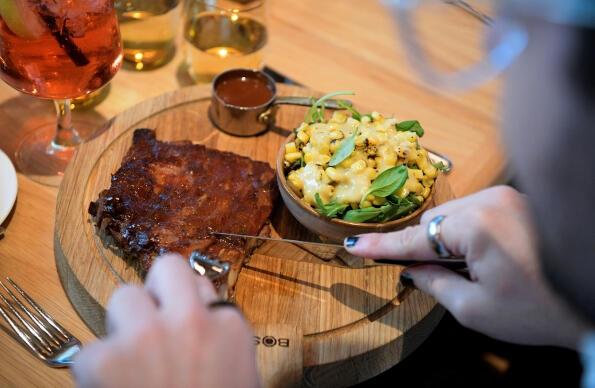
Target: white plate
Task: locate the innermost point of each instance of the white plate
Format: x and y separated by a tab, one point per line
8	186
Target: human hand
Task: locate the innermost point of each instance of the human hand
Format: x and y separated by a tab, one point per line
507	297
164	335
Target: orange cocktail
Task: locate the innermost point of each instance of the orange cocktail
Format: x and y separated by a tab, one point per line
57	49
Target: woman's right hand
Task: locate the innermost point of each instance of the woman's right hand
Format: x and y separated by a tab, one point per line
507	297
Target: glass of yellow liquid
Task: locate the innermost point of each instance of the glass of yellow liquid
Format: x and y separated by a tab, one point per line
223	34
149	29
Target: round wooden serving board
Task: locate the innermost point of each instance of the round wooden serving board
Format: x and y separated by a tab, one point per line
315	323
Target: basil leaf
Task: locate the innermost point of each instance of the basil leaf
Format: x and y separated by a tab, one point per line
316	112
345	149
393	199
440	166
394	211
355	114
331	209
362	215
388	182
410	125
413	198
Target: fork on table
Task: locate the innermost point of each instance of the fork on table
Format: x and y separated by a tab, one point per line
35	328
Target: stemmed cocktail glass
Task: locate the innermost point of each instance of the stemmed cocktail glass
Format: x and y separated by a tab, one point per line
59	50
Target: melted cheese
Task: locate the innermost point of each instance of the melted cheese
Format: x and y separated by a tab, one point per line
379	146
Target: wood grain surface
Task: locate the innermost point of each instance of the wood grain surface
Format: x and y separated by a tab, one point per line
326	46
346	315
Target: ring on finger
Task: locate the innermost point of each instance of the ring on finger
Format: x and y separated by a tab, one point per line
435	238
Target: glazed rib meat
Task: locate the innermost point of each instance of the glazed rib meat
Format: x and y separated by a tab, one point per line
169	196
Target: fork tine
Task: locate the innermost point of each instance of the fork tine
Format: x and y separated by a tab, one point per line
35	320
40	311
22	335
27	326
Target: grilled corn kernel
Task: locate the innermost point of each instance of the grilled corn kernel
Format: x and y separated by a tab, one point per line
336	135
366	204
308	157
303	136
426	192
376	116
373	140
295	181
290	147
338	117
427	181
402	192
324	159
358	166
347	162
420	198
371	163
404	150
333	174
379	201
353	122
431	171
417	174
293	156
413	186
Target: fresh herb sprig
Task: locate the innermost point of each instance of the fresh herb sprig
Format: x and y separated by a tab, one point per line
394	208
440	166
344	150
387	182
331	209
410	125
316	112
363	215
354	113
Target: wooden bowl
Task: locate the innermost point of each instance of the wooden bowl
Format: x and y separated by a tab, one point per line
335	229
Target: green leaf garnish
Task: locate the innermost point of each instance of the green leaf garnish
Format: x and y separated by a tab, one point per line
397	207
440	166
354	113
344	150
363	215
316	112
388	182
410	125
331	209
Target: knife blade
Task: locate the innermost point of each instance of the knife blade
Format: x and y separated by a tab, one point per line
457	264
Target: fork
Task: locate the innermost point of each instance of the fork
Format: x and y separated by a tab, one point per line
40	333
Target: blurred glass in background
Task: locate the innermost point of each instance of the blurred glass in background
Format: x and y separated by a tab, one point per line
223	34
149	29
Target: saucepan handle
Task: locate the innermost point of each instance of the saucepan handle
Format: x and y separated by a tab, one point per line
307	101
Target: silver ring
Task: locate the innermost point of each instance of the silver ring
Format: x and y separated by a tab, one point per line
434	229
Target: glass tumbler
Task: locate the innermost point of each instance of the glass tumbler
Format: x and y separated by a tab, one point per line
149	29
223	34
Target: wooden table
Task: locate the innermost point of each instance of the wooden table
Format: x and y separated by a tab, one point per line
330	45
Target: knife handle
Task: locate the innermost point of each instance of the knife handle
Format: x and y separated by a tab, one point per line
452	264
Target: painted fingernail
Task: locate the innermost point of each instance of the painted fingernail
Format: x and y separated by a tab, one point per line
351	241
406	279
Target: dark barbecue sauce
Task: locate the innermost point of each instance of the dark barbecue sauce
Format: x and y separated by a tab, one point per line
246	90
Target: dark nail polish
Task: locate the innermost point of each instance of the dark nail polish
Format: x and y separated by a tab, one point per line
406	279
351	241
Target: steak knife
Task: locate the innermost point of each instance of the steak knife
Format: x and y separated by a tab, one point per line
457	264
